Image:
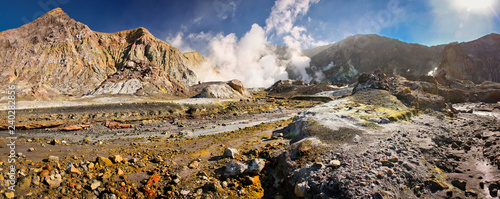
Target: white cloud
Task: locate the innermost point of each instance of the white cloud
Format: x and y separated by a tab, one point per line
178	42
225	8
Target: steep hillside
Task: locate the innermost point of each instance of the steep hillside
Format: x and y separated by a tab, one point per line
343	61
477	61
56	55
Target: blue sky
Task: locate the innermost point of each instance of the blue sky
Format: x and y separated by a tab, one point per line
426	22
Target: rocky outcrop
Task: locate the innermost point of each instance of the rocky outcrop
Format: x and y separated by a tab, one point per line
345	60
141	78
233	89
292	88
477	61
56	55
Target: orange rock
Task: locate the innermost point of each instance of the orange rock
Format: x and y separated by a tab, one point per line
115	125
44	173
33	125
153	179
72	128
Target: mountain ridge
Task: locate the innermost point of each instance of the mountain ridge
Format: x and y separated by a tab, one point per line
56	55
343	61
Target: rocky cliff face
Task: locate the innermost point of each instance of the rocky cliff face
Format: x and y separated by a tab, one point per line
56	55
477	61
345	60
141	78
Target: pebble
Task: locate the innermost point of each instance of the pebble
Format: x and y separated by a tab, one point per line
55	141
31	149
9	194
193	164
185	192
73	169
256	166
95	184
119	172
53	158
300	189
104	161
54	181
334	163
158	159
116	158
394	159
234	168
387	163
230	153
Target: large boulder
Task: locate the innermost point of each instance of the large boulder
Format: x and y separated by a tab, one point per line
223	90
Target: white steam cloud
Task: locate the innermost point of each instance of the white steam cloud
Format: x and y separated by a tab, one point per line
249	58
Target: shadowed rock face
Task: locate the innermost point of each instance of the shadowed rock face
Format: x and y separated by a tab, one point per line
56	55
477	61
343	61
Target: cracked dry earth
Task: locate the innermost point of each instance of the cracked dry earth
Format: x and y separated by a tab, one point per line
429	155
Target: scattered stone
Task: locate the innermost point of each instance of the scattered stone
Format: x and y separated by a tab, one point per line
90	166
44	173
73	169
116	158
95	184
53	181
394	159
230	152
387	163
31	149
119	172
157	159
193	164
256	166
9	194
109	196
104	161
24	182
141	164
390	172
300	189
36	180
55	141
53	158
185	192
234	168
334	163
